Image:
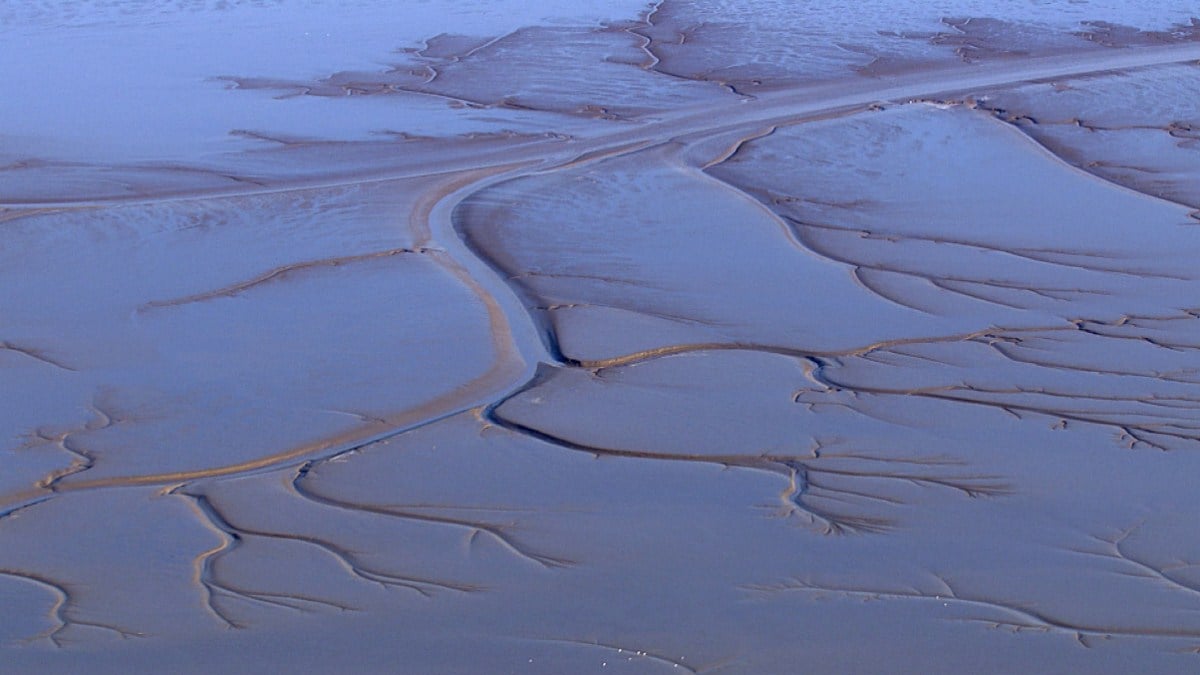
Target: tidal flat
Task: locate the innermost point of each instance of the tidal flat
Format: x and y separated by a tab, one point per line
692	336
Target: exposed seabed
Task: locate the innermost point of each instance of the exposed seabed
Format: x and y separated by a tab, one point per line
890	357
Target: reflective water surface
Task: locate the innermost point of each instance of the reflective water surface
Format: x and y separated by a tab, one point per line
700	336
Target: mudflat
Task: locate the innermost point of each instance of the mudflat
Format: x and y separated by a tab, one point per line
702	337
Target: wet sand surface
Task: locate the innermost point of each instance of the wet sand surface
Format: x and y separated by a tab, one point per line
701	337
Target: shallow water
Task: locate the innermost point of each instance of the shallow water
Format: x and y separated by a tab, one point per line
701	337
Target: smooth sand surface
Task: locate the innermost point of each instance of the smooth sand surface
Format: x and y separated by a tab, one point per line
697	340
